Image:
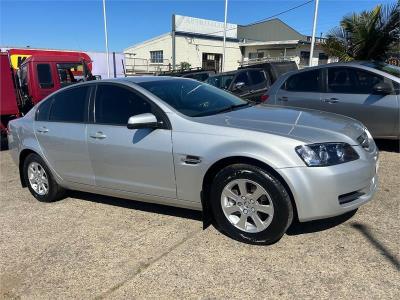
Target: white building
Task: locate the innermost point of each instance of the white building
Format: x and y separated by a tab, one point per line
199	42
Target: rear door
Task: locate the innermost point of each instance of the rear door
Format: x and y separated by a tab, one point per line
133	160
350	92
301	89
60	128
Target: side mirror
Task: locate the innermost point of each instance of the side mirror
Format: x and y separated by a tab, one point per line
142	121
382	88
239	85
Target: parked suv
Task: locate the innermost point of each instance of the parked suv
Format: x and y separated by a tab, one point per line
274	69
248	84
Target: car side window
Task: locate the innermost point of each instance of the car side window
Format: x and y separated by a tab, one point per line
242	77
70	105
257	77
44	76
352	81
303	82
366	81
115	105
42	113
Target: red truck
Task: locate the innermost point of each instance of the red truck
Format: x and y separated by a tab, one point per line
38	75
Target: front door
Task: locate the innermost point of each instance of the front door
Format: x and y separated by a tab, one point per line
350	92
61	131
132	160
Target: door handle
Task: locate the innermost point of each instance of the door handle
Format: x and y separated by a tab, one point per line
98	135
42	130
331	100
284	98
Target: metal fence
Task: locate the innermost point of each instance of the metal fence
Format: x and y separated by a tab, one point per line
135	65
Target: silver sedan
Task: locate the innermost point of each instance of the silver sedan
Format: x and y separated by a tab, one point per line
251	169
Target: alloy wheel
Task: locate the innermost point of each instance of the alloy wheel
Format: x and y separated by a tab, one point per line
247	205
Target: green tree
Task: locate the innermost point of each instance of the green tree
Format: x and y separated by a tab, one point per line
185	65
369	35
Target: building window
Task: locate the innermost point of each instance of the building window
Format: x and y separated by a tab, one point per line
156	57
254	55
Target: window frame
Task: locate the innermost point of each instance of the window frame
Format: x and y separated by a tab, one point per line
157	61
52	99
156	110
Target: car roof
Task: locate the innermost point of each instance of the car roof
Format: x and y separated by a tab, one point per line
237	71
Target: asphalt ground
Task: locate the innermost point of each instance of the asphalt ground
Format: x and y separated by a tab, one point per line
90	246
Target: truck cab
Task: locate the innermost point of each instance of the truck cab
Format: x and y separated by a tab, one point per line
39	76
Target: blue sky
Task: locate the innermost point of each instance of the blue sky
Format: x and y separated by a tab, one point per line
78	25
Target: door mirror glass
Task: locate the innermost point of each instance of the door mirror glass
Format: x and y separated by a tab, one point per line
146	120
239	85
382	88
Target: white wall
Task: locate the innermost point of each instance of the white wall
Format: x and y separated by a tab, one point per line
187	50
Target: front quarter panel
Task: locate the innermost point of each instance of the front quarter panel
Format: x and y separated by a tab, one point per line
209	148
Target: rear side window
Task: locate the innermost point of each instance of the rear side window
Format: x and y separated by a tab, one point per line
42	113
70	105
44	76
242	77
115	105
257	77
303	82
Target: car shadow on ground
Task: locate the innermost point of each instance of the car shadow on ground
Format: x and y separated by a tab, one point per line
3	144
388	145
137	205
385	252
319	225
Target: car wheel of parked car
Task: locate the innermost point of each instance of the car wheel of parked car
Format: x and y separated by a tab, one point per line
40	181
250	205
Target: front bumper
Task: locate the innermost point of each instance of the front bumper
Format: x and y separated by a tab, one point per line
319	191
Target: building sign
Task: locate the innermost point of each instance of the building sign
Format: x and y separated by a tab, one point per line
203	26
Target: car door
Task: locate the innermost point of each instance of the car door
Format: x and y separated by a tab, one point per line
60	128
133	160
243	79
46	84
259	84
350	92
301	89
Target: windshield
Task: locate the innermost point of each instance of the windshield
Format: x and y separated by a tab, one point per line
193	98
381	66
222	81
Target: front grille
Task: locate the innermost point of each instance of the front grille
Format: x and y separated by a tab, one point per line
349	197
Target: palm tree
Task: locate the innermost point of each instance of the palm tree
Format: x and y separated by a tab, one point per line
369	35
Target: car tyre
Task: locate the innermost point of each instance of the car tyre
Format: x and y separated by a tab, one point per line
267	217
40	180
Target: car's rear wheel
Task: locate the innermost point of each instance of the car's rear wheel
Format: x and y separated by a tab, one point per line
251	205
39	179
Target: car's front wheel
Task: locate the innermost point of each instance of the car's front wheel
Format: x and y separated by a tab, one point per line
251	205
39	179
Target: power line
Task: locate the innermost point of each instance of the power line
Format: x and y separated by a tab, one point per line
266	19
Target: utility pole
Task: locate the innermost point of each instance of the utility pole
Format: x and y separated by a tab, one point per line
224	46
173	42
106	38
313	32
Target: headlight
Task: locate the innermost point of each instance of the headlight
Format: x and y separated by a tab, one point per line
326	154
